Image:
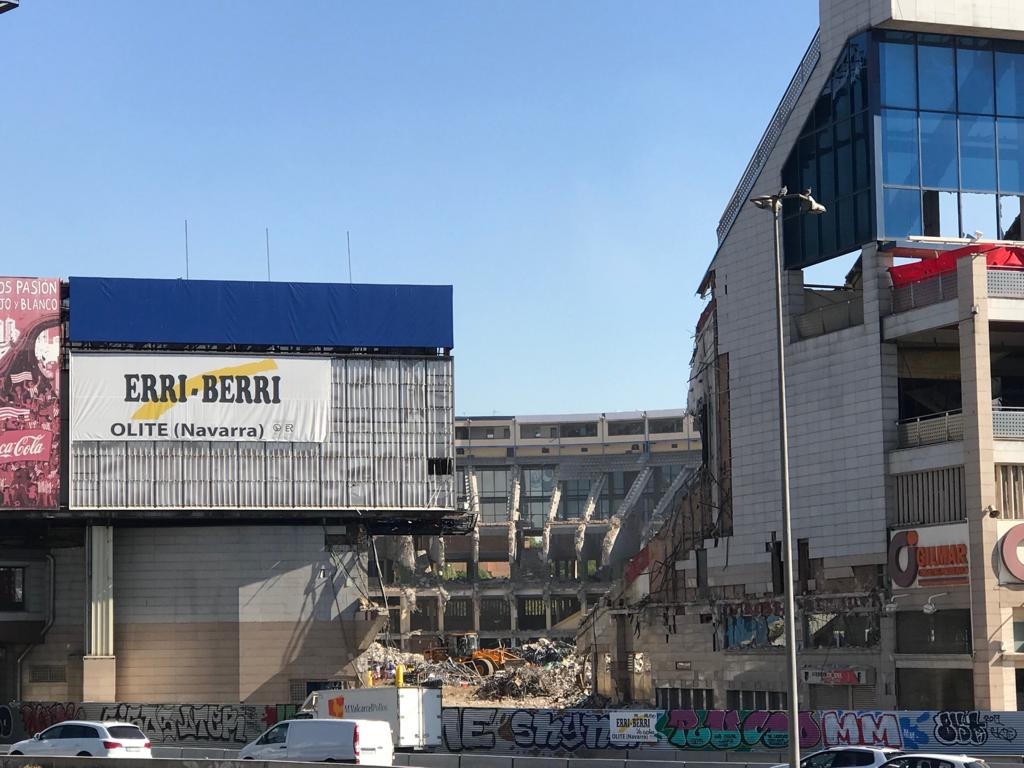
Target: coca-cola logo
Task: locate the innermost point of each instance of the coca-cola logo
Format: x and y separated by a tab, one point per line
25	445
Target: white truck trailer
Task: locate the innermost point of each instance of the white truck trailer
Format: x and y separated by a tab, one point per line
414	713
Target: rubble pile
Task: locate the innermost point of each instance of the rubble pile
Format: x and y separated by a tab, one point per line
545	651
378	655
553	676
419	671
558	676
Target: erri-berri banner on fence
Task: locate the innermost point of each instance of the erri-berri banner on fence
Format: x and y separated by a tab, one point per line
199	397
29	392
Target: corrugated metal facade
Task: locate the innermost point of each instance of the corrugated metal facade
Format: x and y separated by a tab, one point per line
390	447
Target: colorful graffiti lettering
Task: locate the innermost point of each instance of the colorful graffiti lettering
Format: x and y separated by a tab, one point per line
36	717
874	729
550	732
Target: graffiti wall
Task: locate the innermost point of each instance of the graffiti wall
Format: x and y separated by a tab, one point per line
541	731
547	731
226	724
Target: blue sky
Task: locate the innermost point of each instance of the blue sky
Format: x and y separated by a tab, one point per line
562	164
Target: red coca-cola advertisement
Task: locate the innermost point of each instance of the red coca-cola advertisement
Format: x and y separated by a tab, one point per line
29	393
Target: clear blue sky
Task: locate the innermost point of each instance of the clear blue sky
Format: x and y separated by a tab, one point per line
562	164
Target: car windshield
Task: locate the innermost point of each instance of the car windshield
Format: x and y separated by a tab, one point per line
125	732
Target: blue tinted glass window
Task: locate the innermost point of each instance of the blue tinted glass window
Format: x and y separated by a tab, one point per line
937	80
1010	83
898	75
899	147
844	158
858	68
826	188
938	150
977	153
975	80
1011	155
902	212
861	154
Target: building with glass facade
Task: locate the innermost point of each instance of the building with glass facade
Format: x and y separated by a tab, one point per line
905	389
561	502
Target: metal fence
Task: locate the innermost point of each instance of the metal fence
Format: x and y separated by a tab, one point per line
830	318
931	429
924	292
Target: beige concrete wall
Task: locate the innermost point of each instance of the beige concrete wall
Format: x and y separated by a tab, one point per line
64	643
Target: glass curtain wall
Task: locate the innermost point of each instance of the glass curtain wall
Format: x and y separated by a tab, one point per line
951	127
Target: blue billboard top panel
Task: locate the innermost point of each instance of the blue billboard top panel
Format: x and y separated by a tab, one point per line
133	311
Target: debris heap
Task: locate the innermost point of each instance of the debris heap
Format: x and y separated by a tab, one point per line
553	676
554	673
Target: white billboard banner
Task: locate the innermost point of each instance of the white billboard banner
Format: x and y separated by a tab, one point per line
628	727
199	397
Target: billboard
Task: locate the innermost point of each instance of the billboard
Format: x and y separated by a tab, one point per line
29	392
187	398
389	442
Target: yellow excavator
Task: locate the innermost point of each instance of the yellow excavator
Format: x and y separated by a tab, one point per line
464	648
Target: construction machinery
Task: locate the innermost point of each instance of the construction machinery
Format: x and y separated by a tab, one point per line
464	648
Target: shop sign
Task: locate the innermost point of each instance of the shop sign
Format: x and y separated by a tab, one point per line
633	727
933	556
824	676
1011	561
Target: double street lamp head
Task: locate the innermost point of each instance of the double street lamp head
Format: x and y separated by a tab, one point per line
807	203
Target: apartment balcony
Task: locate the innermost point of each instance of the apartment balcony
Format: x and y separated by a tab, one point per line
931	429
931	301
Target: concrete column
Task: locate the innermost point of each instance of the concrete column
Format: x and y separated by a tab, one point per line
547	607
513	612
476	609
994	687
99	666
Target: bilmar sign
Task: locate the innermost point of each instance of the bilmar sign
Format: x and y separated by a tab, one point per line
930	556
198	397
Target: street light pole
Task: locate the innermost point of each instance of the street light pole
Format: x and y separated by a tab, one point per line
808	205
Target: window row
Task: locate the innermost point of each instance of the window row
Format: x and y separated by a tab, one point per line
953	75
945	151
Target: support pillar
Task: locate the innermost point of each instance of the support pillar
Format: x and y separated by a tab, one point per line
994	687
99	666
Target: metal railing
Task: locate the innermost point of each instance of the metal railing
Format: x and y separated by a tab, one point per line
770	137
1006	281
924	292
1008	422
830	318
931	429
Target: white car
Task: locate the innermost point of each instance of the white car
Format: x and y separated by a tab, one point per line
847	757
81	738
925	760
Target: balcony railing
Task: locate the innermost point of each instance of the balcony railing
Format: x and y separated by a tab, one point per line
931	429
1008	422
924	292
830	318
1006	282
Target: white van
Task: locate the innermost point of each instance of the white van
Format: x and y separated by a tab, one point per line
363	742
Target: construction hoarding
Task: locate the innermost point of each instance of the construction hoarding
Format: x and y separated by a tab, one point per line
30	336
